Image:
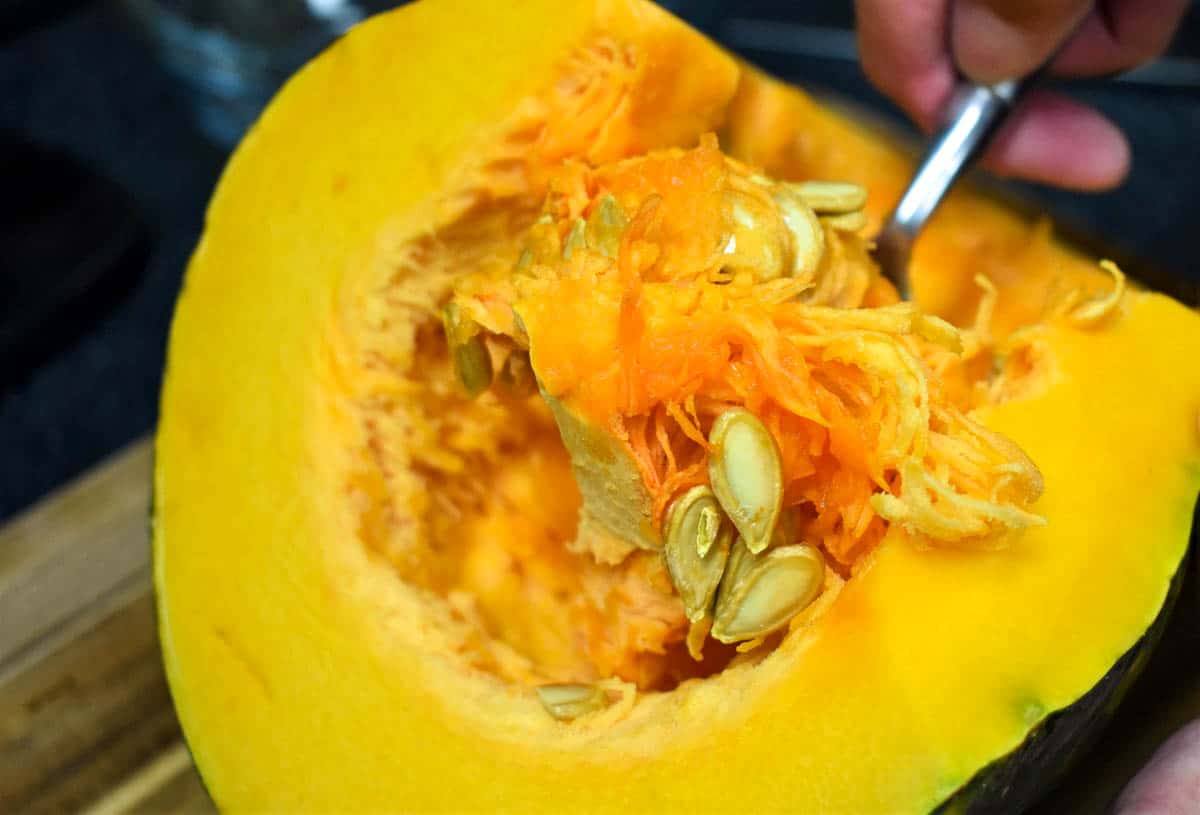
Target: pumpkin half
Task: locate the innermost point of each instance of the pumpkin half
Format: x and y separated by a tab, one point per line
483	305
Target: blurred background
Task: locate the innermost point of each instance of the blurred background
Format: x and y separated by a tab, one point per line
117	117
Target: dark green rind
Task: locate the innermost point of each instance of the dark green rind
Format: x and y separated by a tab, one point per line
1015	782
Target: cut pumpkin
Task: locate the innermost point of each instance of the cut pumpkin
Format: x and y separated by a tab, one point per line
484	315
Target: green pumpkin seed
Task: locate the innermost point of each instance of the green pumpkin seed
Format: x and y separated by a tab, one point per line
696	547
808	239
831	197
468	352
575	239
605	226
524	261
567	701
746	472
760	593
846	222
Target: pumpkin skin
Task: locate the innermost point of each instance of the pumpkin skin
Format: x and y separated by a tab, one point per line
308	678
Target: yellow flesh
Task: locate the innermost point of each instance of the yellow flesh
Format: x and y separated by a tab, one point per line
308	677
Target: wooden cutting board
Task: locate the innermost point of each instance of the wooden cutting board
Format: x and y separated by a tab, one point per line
86	721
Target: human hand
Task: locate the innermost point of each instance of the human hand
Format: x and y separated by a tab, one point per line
1170	783
910	49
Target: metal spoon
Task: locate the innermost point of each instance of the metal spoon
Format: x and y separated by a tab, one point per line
975	115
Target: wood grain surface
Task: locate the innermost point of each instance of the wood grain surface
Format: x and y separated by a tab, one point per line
85	716
86	722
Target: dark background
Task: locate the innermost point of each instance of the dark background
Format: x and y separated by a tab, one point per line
87	84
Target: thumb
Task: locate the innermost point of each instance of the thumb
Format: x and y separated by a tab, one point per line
994	40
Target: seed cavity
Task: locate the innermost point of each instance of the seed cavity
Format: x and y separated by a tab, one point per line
516	375
831	197
468	352
568	701
746	472
698	540
761	592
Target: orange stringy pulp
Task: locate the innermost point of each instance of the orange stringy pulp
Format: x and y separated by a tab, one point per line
657	292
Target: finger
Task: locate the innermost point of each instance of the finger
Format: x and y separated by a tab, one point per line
1170	783
994	40
903	52
1053	139
1121	34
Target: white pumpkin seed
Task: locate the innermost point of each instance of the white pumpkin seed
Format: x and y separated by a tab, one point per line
696	546
808	239
567	701
760	593
746	472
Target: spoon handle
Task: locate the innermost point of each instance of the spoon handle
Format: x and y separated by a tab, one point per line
975	115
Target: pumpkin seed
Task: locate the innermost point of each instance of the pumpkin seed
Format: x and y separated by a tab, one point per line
746	473
516	375
808	239
831	197
696	548
740	561
748	248
524	261
604	227
708	528
468	352
575	239
570	700
846	222
764	591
